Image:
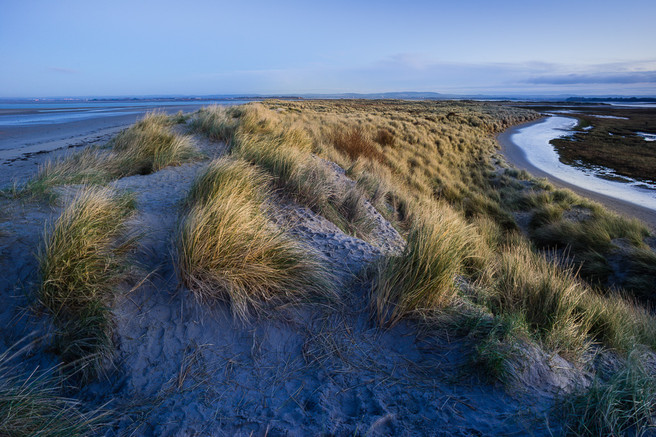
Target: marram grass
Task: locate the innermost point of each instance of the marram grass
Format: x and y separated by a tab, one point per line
423	277
31	403
228	250
543	294
623	404
82	261
285	153
145	147
148	146
216	122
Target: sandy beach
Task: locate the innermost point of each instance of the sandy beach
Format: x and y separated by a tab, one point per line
25	146
515	156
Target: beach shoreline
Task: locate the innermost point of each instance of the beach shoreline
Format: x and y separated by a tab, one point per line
515	156
23	147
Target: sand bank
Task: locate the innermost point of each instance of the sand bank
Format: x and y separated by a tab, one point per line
517	157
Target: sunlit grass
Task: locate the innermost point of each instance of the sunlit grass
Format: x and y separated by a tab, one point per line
82	261
423	277
228	250
216	122
146	147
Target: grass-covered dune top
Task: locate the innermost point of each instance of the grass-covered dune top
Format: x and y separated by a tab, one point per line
403	152
428	168
385	262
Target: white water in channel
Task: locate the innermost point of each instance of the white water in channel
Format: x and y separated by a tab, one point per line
534	141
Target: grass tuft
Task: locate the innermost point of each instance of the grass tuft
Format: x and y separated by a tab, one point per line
423	277
216	122
31	403
149	146
624	404
542	293
146	147
83	260
228	250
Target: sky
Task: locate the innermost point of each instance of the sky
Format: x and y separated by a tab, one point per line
196	47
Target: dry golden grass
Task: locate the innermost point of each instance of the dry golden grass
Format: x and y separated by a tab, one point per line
423	277
355	143
147	146
31	402
217	122
441	150
285	153
83	259
228	250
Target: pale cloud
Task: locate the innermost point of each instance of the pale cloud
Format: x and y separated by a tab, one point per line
421	72
618	73
63	70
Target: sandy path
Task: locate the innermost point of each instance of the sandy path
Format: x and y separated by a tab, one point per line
516	156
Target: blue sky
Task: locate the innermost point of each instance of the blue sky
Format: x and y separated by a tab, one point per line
84	48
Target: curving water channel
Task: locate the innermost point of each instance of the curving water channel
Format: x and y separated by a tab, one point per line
534	140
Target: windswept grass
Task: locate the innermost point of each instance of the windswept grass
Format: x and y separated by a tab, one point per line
355	143
149	146
146	147
83	260
228	250
423	277
31	403
541	293
624	404
406	157
285	153
217	122
619	321
558	308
